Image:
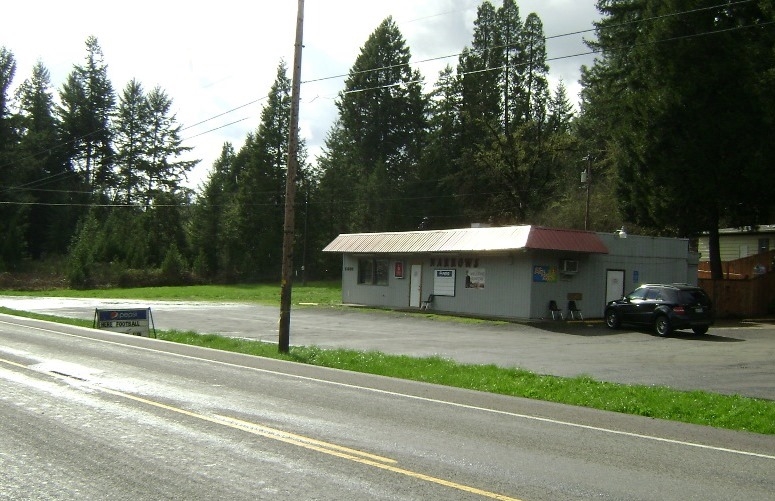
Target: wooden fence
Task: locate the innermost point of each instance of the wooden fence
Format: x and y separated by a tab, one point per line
743	268
742	298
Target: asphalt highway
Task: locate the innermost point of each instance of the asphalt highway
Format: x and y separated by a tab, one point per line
90	414
733	358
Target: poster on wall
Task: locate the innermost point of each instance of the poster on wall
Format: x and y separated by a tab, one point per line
545	273
398	269
444	283
475	278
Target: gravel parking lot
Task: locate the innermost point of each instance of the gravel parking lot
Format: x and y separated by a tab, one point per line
733	358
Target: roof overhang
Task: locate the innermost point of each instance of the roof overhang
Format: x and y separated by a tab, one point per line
500	239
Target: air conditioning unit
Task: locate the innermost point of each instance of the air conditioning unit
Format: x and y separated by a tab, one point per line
569	266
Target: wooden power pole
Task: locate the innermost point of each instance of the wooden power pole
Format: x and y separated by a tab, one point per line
290	191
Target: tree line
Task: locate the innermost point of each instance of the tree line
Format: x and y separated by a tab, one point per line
674	132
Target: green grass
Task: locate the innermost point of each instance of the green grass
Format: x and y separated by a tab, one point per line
698	407
322	293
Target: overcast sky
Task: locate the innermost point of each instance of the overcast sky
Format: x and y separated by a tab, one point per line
218	60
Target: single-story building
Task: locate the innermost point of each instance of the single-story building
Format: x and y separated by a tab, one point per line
739	243
510	272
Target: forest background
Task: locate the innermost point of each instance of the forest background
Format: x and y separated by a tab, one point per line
674	136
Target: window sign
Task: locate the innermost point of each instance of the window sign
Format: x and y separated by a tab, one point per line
398	269
544	273
444	283
475	278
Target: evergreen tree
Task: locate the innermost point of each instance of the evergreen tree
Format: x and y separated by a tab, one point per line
7	72
132	130
256	219
163	171
380	132
684	129
209	216
560	110
87	104
49	180
510	157
533	96
514	78
335	198
13	215
439	177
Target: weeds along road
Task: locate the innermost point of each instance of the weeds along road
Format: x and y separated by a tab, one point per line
88	414
731	359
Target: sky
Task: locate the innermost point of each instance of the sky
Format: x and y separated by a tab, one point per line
218	60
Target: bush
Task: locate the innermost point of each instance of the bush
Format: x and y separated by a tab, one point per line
174	266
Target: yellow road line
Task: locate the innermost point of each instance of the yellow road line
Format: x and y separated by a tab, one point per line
316	445
300	441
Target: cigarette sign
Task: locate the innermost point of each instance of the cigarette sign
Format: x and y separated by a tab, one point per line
128	321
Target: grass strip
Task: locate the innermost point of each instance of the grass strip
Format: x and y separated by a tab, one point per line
697	407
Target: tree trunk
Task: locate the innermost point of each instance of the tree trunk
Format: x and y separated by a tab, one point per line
714	249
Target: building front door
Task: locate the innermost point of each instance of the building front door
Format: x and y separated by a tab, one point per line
614	286
415	286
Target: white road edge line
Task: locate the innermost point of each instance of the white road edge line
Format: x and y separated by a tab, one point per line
424	399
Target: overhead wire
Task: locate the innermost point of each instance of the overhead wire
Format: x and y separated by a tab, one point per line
383	68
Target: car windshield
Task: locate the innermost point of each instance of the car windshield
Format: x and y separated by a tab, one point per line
638	293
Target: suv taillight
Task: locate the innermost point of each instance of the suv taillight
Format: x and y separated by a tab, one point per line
679	309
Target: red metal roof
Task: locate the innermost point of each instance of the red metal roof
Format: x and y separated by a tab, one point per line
565	240
504	238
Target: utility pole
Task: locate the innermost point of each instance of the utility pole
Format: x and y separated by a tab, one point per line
587	179
290	191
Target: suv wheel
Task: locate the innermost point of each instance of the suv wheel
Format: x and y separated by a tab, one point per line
662	326
700	330
612	319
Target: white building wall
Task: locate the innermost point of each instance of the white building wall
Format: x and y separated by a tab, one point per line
510	289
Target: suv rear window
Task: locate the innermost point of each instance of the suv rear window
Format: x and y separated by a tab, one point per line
694	296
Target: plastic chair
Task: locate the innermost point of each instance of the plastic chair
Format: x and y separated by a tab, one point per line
555	310
573	310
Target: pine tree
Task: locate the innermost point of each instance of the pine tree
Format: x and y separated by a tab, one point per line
132	130
87	104
509	158
683	129
439	176
208	219
163	171
49	179
255	218
13	216
380	132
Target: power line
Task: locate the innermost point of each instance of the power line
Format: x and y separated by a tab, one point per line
556	58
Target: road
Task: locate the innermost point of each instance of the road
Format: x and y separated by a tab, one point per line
88	414
731	359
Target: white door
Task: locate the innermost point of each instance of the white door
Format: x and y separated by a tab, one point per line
614	288
415	286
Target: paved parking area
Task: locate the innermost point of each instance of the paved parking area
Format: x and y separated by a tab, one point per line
733	358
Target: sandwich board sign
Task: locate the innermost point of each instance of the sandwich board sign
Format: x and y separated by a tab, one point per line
135	321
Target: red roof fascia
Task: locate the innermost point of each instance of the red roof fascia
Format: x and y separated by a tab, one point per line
565	240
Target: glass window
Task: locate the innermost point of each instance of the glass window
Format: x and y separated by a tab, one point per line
381	267
365	271
373	271
638	294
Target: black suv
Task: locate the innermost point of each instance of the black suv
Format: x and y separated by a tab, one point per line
664	306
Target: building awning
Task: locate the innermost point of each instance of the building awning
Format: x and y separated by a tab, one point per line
500	239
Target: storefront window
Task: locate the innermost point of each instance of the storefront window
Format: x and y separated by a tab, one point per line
373	271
